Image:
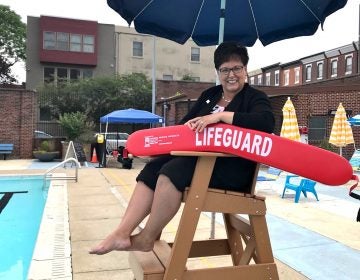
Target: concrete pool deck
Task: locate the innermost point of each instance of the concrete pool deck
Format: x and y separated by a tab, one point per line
321	233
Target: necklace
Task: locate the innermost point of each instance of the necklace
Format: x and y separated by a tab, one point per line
226	100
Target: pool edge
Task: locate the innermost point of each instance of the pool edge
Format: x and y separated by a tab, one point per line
52	254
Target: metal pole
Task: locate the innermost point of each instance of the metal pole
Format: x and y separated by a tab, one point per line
358	46
220	40
153	77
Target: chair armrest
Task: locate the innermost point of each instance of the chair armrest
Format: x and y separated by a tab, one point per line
288	177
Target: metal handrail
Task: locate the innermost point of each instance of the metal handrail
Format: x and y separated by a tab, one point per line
77	166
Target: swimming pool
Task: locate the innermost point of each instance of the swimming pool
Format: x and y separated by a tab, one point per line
22	201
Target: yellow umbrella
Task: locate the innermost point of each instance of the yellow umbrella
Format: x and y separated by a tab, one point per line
341	133
290	127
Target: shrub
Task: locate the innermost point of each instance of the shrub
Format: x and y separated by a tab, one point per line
74	124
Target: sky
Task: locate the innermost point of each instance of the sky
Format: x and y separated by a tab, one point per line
340	28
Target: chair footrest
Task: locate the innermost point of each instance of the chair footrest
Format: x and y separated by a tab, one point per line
150	265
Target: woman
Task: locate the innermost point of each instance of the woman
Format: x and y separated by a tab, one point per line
160	184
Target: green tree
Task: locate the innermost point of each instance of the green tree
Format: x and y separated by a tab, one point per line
12	43
75	124
97	96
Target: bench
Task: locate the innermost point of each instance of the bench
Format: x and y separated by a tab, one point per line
6	149
247	242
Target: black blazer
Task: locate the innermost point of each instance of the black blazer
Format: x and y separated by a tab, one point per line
252	109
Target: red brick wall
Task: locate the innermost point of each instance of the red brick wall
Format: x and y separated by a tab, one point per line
17	120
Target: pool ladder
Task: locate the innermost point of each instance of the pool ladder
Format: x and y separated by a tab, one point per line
48	175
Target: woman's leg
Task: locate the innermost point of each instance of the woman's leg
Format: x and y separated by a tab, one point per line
166	203
138	208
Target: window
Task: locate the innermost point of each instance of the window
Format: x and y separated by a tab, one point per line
75	42
195	54
308	72
62	41
87	73
320	70
334	63
260	80
137	49
74	74
277	77
49	75
267	81
348	64
167	77
252	80
317	128
49	40
297	75
286	77
88	43
62	74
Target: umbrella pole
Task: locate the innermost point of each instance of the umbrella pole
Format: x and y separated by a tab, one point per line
340	151
221	39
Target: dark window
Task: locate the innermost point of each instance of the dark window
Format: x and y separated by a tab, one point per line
308	73
137	49
75	42
320	68
348	66
317	128
334	68
195	54
49	40
49	75
62	75
74	74
87	73
62	41
88	43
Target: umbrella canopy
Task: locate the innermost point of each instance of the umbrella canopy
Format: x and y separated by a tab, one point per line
290	127
130	116
243	21
341	133
355	120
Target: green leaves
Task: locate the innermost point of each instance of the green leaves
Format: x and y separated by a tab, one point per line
12	42
98	96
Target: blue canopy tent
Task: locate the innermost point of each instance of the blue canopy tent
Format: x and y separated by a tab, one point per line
130	116
127	116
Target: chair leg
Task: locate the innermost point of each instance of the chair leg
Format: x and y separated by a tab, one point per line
283	192
314	192
304	192
297	195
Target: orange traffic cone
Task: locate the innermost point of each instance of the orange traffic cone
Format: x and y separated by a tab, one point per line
94	157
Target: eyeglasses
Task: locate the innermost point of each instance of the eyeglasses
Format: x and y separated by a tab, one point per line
236	70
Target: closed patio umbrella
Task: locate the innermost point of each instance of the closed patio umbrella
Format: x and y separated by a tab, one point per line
341	133
290	127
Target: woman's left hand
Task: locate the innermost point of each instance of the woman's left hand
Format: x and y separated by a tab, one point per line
199	123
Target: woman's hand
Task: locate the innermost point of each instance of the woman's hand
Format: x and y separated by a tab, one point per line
199	123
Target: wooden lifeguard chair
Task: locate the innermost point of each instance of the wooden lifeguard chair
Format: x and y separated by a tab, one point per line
247	240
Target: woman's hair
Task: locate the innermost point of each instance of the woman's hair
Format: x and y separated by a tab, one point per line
230	50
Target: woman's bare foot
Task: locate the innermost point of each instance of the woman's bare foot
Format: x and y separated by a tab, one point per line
114	242
139	242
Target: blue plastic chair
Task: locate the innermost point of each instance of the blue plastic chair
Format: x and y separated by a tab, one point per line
305	185
272	174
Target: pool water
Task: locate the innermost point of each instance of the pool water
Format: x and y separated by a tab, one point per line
22	201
